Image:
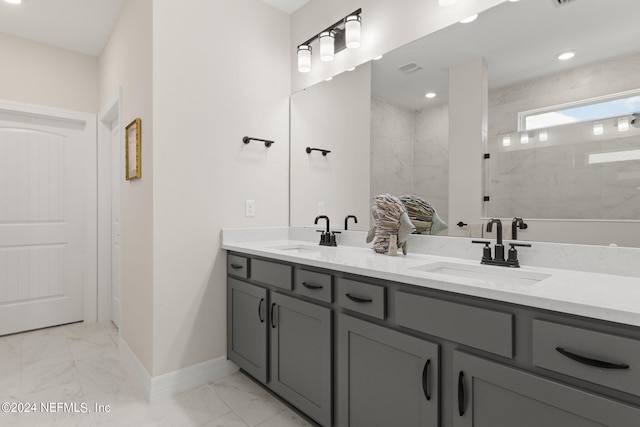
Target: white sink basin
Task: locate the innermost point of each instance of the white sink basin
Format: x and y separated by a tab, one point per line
299	249
485	273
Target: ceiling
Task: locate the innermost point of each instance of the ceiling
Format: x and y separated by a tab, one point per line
79	25
520	40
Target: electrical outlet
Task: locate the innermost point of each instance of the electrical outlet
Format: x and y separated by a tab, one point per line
321	208
249	208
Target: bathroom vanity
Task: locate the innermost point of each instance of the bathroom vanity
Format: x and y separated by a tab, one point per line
355	338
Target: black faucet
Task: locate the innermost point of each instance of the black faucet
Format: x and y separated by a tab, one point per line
499	250
346	220
327	238
512	261
515	224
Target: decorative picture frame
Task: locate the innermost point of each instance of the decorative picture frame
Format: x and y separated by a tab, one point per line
132	148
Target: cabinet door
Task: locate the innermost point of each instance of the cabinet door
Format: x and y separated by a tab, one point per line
488	394
301	355
386	378
247	327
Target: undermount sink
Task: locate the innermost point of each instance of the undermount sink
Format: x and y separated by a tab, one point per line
484	273
298	249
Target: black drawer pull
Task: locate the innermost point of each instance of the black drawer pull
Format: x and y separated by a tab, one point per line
591	362
311	285
359	300
426	373
260	310
237	266
273	310
461	396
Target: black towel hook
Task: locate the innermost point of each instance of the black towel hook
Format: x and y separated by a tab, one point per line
248	139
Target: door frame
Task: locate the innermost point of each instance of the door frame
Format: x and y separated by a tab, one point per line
110	112
26	111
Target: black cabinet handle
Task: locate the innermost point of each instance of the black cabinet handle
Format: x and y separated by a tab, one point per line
461	394
273	310
260	310
311	285
359	300
237	266
426	373
591	362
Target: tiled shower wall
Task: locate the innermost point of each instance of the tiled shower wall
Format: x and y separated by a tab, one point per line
409	153
553	179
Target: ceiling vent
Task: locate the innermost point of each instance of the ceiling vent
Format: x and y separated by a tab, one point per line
559	3
409	68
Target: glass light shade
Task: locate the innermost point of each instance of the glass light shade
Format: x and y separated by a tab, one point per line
327	46
304	58
524	138
352	31
506	140
623	124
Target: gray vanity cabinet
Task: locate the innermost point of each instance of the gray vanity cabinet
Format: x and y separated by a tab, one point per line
301	355
386	378
247	327
488	394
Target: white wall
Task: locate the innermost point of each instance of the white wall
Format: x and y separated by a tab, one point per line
323	117
126	62
386	25
45	75
221	72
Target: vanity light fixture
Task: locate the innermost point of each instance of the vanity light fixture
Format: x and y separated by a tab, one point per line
566	55
524	138
469	19
623	124
598	128
506	140
430	95
447	2
543	135
346	33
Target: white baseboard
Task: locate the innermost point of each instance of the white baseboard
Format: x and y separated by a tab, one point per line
156	388
190	377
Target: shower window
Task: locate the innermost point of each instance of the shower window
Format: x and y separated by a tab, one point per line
604	107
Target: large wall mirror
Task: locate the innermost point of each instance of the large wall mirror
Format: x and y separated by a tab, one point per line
576	165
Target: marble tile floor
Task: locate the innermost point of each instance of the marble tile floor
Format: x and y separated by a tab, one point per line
79	364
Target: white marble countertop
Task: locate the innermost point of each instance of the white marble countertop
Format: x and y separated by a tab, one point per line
601	296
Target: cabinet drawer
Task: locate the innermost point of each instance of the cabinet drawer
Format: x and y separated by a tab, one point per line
597	357
362	297
237	266
314	285
272	273
481	328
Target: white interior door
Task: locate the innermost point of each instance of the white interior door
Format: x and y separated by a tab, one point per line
116	260
43	220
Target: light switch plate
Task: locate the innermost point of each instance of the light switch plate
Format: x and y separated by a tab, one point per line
249	208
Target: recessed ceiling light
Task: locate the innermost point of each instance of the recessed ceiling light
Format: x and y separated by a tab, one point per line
430	95
566	55
469	19
376	58
13	1
447	2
